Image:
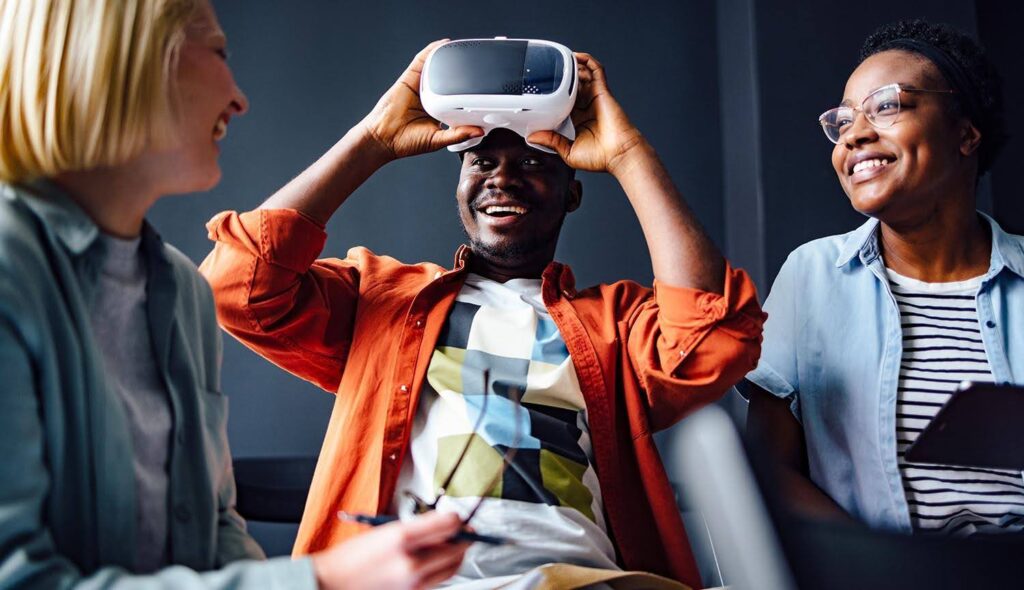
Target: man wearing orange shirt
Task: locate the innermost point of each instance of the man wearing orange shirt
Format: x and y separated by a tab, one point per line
494	388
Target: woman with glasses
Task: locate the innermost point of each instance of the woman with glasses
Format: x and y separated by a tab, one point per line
116	471
870	332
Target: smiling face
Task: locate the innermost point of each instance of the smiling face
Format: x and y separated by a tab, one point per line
512	200
207	99
907	170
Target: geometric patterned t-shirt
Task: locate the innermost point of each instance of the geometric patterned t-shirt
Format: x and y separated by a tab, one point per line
500	346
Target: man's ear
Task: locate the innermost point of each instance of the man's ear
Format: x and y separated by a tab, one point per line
970	139
575	196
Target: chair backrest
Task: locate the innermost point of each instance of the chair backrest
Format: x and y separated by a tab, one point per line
719	484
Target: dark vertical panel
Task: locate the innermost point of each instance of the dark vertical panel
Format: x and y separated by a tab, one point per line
999	29
741	162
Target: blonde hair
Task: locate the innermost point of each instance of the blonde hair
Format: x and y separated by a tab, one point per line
85	83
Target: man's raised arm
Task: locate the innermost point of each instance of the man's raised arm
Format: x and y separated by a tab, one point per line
396	128
606	141
701	332
271	291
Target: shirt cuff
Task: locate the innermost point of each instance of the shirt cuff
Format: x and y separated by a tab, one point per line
692	311
283	237
286	573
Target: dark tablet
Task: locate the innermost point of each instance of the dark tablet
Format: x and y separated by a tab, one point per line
980	426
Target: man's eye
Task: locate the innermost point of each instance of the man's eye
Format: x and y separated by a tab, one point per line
532	162
481	162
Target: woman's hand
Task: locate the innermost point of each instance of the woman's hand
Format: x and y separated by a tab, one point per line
604	134
399	555
400	126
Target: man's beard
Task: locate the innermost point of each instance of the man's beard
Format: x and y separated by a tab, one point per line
510	252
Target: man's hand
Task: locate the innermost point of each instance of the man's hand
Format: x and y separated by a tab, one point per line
397	127
400	555
400	125
604	133
606	141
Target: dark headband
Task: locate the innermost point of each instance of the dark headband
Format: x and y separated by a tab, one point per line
954	74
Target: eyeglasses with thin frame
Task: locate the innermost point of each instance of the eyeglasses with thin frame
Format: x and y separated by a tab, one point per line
421	506
881	108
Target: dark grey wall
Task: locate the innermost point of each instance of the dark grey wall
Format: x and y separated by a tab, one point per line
312	69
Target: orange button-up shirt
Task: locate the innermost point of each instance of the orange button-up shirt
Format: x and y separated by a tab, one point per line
366	327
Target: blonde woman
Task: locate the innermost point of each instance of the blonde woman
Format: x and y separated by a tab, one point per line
116	471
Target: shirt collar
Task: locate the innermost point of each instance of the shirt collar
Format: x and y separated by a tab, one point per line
60	214
68	222
556	275
1007	250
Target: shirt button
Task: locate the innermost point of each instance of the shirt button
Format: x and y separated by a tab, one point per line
682	353
990	324
404	389
392	457
419	323
182	513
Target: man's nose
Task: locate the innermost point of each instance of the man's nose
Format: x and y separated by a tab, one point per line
504	175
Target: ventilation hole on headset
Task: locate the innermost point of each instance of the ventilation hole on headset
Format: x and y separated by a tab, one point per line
460	45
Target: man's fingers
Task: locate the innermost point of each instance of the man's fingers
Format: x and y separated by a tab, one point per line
446	137
411	76
553	140
417	62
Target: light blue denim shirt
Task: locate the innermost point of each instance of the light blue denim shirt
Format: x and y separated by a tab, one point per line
67	493
833	343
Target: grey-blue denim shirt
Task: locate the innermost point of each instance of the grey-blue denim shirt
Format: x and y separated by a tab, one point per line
833	343
67	505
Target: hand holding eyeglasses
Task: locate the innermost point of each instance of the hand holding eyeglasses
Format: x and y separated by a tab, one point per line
421	506
464	535
414	554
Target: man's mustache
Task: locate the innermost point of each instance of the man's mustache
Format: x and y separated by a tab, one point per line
500	195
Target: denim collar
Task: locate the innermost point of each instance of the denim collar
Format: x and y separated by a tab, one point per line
65	219
1007	249
60	214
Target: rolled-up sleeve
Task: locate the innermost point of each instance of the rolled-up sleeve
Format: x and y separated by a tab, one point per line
690	346
274	296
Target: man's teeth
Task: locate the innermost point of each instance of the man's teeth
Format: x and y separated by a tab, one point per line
220	130
494	209
866	164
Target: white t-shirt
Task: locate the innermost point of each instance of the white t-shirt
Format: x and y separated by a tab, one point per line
547	499
942	347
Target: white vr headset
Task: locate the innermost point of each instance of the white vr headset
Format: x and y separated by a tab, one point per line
523	85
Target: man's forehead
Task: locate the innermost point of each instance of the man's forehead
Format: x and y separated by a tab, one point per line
499	139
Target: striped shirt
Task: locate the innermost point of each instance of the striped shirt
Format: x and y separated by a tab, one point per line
942	347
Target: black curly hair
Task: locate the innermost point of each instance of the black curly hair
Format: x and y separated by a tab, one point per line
984	105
